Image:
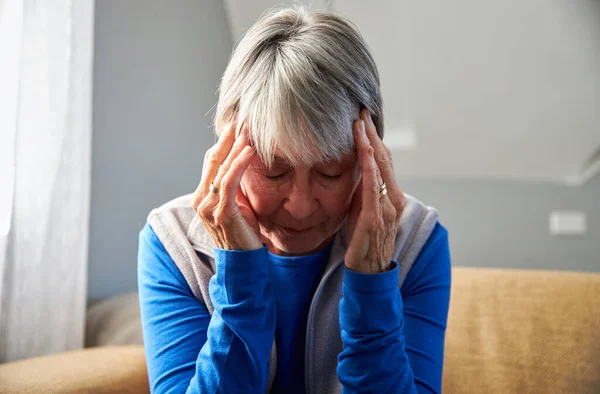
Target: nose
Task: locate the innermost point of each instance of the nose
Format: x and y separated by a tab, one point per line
299	202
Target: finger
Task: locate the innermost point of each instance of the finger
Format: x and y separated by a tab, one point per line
240	142
231	181
384	161
383	157
356	203
222	147
357	196
241	199
213	159
370	185
355	208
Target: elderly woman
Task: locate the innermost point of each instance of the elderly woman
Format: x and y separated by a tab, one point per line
299	266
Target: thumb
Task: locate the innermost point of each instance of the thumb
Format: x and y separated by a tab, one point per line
241	199
245	208
355	208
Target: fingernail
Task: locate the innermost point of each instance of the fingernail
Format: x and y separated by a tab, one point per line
362	126
370	117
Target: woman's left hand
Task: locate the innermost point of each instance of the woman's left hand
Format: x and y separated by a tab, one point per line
374	216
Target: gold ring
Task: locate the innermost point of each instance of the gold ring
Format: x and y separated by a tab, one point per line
214	189
382	190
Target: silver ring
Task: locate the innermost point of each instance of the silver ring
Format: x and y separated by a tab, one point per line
382	190
214	189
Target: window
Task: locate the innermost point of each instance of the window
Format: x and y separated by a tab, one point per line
11	17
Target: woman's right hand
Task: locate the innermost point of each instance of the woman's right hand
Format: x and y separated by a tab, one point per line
225	211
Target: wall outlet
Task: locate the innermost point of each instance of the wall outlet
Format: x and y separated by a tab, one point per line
571	223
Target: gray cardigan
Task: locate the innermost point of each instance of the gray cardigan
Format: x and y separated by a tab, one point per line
188	243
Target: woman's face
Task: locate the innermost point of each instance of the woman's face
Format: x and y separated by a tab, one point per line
299	209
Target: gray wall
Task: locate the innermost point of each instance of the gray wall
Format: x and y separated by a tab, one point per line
505	224
156	71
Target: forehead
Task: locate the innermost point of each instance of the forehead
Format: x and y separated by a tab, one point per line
346	159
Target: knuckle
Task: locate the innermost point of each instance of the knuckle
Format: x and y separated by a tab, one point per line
195	201
387	151
238	158
401	201
397	213
212	156
218	217
393	213
375	229
226	181
371	221
204	210
203	214
218	181
221	218
398	206
386	160
375	187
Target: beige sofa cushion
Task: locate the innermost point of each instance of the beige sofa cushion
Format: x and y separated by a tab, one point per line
518	331
95	370
509	331
114	321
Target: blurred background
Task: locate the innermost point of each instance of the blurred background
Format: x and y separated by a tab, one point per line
492	111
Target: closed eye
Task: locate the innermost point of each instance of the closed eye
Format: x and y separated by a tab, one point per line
278	176
326	176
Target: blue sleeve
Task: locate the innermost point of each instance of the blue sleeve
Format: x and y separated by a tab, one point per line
187	350
394	340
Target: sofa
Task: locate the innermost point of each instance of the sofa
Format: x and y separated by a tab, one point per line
509	331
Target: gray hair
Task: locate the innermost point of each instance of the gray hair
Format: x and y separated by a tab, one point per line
298	80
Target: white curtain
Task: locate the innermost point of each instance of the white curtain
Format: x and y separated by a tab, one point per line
46	50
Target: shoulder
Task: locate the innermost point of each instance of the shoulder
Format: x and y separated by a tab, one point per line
155	263
437	241
432	266
179	207
178	226
184	241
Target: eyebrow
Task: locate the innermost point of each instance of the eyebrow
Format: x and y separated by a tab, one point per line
279	160
347	161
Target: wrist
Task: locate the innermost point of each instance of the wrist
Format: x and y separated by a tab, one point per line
372	282
372	268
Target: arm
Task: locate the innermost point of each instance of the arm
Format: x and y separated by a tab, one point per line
393	342
189	351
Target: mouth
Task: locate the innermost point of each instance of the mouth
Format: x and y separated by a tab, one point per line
295	231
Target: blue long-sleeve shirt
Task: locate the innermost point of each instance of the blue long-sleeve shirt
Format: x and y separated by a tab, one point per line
294	280
393	340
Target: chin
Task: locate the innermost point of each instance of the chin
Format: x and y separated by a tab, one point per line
295	245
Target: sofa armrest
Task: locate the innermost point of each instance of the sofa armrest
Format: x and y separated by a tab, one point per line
117	369
523	331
